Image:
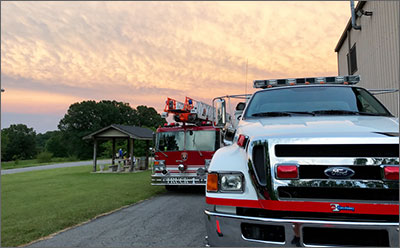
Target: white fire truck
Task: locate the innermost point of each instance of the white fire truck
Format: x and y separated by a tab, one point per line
183	150
314	162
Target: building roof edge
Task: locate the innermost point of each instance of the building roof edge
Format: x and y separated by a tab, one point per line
343	37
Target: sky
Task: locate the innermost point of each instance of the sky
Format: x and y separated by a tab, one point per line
54	54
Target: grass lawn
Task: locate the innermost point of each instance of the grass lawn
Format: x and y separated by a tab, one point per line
38	203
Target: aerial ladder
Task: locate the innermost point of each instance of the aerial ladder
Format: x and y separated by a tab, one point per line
191	111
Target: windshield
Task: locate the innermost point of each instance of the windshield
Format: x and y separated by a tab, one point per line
189	140
319	100
201	141
170	141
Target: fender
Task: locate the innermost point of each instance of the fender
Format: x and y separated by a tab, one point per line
232	159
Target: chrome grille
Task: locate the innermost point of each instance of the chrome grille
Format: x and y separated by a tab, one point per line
361	172
324	193
364	156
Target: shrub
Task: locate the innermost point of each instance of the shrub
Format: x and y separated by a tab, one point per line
44	157
16	159
72	158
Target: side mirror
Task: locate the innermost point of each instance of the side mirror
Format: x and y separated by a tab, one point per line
220	115
239	110
229	134
240	106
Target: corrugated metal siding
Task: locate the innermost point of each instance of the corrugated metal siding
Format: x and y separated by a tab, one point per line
378	52
342	59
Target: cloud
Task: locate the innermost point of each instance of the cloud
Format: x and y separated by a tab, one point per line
143	52
23	101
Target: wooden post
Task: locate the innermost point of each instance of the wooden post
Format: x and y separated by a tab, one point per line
94	155
128	146
146	166
132	168
113	152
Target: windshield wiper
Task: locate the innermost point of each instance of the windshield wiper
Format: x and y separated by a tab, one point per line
194	144
162	153
282	113
272	114
344	112
300	112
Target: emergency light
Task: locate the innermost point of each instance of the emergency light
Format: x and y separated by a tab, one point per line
351	79
290	171
391	173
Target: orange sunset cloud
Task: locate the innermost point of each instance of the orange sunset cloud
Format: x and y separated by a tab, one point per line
143	52
40	102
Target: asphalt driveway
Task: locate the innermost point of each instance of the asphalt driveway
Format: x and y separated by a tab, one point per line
174	219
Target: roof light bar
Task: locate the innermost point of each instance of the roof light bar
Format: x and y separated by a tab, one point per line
351	79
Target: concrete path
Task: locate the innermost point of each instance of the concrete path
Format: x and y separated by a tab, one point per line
174	219
54	166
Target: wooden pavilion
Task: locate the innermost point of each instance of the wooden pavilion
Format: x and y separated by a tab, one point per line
116	131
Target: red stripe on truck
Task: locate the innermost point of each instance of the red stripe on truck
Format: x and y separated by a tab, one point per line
322	207
233	202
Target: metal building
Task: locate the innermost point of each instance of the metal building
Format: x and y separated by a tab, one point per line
372	51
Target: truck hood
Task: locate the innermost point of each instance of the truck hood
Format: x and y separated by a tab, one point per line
320	126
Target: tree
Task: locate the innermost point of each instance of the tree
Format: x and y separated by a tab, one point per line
42	138
18	142
4	144
89	116
148	117
55	145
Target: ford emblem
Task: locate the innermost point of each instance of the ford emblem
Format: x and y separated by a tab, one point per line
339	172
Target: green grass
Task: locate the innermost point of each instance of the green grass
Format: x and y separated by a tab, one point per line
38	203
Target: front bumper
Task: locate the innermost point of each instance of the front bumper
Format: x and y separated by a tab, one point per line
296	232
178	180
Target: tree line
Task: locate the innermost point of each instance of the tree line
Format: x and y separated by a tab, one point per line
20	142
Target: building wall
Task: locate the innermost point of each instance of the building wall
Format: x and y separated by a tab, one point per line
378	52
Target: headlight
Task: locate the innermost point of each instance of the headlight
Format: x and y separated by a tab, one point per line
201	172
231	182
159	165
159	168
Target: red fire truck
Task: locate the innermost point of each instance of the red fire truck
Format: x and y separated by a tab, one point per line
183	150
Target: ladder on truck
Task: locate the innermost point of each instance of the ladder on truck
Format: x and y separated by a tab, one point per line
191	110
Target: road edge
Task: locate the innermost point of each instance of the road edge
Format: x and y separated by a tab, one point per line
85	222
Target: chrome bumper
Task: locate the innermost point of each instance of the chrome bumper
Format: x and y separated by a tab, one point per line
231	232
178	180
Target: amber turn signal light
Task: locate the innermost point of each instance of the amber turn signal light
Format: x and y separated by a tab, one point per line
212	182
